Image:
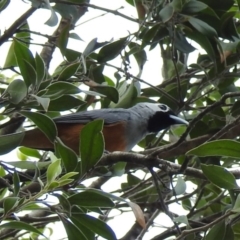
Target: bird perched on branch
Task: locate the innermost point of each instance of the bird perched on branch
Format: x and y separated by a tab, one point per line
123	128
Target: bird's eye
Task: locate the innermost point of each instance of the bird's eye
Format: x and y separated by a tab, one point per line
163	107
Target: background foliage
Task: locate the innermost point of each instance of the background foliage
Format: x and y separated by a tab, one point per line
195	167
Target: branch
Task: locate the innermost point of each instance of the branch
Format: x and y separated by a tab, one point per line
20	21
150	162
203	228
98	8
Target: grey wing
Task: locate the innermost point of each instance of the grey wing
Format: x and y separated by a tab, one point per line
109	116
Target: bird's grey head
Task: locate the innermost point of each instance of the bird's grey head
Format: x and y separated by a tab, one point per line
160	116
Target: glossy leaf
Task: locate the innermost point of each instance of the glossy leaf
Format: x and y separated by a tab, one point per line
127	94
67	155
65	102
72	230
25	62
217	231
43	122
91	144
16	183
203	41
166	13
225	148
10	141
28	164
110	92
53	20
4	4
9	204
62	39
139	54
202	27
58	89
68	72
17	91
90	199
40	69
111	50
180	187
11	60
53	171
29	152
96	225
88	232
44	102
194	7
219	176
20	226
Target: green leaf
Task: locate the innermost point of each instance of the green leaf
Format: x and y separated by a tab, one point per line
91	144
53	171
29	152
4	4
202	27
65	102
139	54
193	7
68	176
9	203
92	46
53	20
63	36
96	225
11	60
111	50
224	148
203	41
182	44
73	231
75	36
16	183
26	63
180	187
90	199
109	92
21	226
217	231
28	164
219	176
44	102
236	207
58	89
181	219
72	55
43	122
17	90
67	155
128	93
119	169
166	13
9	142
69	71
40	69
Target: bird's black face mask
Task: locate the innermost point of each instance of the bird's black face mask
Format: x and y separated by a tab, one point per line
162	120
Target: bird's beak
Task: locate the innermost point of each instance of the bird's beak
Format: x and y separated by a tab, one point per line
178	120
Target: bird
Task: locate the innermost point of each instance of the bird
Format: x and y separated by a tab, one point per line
122	130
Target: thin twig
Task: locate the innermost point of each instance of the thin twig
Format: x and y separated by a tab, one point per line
203	228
